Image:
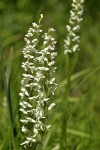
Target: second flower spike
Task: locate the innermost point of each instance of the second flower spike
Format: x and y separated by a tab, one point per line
72	41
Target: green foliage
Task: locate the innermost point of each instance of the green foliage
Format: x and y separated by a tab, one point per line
83	109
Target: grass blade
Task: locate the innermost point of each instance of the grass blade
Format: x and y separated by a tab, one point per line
6	80
78	133
74	77
11	39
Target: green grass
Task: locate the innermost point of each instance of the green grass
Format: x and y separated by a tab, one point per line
83	104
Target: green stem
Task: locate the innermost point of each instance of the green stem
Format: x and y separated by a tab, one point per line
40	143
65	114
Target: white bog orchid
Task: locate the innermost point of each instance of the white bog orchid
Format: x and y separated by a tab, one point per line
38	83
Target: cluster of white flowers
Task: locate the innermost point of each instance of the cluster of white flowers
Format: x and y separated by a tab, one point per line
72	42
38	83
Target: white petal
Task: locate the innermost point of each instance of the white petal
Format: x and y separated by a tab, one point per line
51	105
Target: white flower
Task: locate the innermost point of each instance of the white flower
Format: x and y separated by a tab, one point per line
51	106
24	129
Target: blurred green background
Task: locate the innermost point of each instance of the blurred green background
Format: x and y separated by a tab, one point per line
83	128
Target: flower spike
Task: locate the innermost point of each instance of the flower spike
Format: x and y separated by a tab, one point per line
72	41
38	83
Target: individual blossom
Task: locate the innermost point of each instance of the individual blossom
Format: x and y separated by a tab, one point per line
38	83
72	41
